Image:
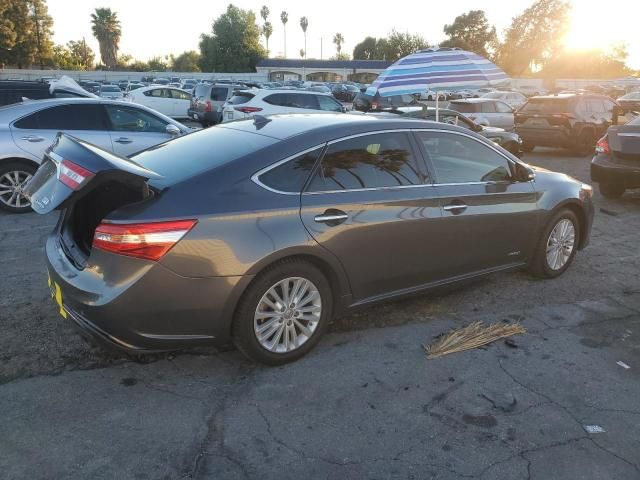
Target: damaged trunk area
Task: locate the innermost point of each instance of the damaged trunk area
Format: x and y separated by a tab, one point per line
80	220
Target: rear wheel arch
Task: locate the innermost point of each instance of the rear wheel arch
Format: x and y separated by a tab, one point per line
26	161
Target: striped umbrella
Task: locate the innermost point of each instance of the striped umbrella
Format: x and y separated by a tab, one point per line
449	68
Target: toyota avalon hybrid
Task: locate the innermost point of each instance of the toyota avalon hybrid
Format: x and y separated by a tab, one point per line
260	231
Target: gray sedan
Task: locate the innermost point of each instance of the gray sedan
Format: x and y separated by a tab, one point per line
28	128
259	231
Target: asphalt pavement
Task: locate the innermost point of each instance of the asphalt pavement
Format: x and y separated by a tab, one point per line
559	402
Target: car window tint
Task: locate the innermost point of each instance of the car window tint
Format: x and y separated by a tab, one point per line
488	107
463	107
292	175
179	95
459	159
328	104
219	94
300	100
369	161
502	107
240	97
546	106
130	119
66	117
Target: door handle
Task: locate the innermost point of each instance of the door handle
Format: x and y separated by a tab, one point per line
331	217
123	140
33	138
455	208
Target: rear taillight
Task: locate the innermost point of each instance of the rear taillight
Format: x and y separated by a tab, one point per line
248	109
141	240
207	108
603	145
72	175
374	106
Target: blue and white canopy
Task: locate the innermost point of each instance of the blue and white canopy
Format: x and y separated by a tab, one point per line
446	68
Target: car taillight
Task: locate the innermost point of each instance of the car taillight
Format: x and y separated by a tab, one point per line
72	175
141	240
208	107
374	106
603	145
248	109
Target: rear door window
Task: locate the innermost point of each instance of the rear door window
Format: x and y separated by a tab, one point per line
369	161
464	107
306	101
488	107
328	104
502	107
179	95
66	117
219	94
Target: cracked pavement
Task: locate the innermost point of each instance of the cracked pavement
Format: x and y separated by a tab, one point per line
365	404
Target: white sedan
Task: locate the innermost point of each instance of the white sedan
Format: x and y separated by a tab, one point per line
172	102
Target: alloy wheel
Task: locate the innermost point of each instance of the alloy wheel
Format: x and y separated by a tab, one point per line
12	187
287	315
560	244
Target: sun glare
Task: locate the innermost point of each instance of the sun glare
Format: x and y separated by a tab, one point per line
588	31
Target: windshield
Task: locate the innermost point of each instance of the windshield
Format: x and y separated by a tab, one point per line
200	151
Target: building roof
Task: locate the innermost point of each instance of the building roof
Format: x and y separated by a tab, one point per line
350	64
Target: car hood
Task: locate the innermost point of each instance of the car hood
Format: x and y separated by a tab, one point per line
549	176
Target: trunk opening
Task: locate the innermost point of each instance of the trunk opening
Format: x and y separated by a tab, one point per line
81	219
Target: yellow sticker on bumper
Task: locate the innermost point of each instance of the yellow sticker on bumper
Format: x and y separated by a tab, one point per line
56	294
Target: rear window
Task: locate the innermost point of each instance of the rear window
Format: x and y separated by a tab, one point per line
546	105
201	90
463	107
219	94
188	156
240	97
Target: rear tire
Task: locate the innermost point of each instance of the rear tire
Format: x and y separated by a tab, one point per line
259	307
13	176
611	190
544	263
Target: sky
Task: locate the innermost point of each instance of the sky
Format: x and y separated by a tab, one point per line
163	27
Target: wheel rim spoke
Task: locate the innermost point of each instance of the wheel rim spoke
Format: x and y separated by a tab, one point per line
560	244
287	315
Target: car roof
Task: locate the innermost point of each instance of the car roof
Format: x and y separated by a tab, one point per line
324	125
474	100
293	90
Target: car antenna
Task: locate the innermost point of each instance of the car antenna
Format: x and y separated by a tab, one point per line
260	121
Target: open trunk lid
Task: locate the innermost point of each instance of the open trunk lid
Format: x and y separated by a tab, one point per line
625	140
72	168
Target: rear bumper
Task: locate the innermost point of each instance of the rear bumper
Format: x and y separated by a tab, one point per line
546	137
605	170
209	117
142	306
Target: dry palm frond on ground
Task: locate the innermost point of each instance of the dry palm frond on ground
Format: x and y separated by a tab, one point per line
472	336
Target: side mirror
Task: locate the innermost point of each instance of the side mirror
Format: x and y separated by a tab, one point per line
343	109
172	130
524	173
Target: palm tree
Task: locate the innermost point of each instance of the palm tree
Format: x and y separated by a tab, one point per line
304	23
264	13
106	29
338	39
284	18
267	30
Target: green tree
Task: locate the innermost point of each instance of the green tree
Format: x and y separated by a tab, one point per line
139	66
107	30
186	62
82	53
158	64
304	23
234	45
471	31
366	49
264	13
533	37
399	45
593	63
340	56
284	18
338	39
25	33
267	30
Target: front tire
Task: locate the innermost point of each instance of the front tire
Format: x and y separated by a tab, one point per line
283	313
557	246
611	190
14	175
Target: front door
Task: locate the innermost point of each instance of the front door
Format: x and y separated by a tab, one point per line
489	218
372	206
134	129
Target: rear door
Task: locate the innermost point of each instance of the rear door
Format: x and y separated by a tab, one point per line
133	129
37	131
72	167
371	204
181	101
488	218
